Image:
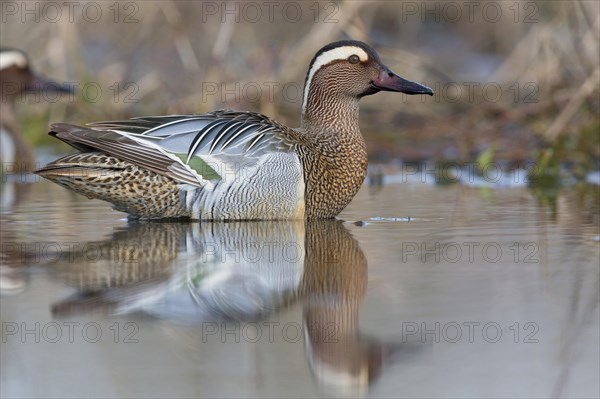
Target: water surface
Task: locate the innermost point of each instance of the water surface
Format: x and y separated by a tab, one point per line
417	291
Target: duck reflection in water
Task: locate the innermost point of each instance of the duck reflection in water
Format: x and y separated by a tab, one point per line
241	272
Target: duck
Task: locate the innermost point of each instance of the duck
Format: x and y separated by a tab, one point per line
16	79
236	165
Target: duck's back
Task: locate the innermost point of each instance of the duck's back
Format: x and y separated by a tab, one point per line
224	165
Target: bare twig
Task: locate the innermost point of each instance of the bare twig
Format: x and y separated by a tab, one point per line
584	91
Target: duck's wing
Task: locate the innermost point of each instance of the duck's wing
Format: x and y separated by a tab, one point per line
191	149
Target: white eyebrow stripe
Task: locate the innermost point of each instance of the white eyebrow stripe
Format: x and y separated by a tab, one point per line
10	58
338	53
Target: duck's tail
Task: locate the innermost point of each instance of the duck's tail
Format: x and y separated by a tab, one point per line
137	191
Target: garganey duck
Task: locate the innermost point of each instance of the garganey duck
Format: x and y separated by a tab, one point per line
233	165
17	78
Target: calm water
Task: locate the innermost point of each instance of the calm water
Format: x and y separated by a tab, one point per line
437	292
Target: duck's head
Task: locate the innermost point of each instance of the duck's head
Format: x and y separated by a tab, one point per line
17	77
350	68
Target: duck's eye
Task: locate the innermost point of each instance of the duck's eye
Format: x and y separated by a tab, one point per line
353	59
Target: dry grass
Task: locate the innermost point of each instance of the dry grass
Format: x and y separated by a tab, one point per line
166	59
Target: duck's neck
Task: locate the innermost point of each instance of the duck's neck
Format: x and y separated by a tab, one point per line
336	114
337	156
16	155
